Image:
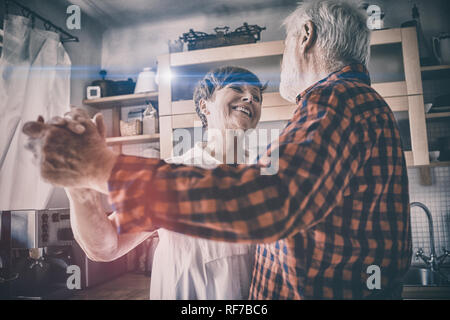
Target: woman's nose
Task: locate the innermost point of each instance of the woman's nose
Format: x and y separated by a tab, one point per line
247	97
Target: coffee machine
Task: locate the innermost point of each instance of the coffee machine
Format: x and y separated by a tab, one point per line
35	251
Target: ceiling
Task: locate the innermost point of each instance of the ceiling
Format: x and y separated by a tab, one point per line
119	13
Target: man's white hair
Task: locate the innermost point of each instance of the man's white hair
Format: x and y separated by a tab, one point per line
341	28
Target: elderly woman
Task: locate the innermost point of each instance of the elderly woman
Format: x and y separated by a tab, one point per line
185	267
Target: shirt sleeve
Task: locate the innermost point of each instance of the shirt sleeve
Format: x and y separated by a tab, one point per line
318	153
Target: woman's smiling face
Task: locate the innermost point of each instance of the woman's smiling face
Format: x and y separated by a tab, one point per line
235	106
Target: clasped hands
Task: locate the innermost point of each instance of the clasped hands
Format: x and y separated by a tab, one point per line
71	151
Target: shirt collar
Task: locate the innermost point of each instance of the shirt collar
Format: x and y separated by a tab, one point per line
355	71
202	149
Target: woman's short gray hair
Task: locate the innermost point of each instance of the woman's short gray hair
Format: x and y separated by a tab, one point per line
341	27
219	78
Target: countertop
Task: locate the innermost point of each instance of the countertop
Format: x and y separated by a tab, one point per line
426	292
134	286
130	286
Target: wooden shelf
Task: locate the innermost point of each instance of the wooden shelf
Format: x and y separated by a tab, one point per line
435	72
410	161
435	68
132	139
386	36
440	164
260	49
437	115
122	101
243	51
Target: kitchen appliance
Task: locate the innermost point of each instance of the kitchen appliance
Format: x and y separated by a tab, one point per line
441	48
124	87
36	249
40	228
146	81
36	245
110	88
6	274
106	86
93	92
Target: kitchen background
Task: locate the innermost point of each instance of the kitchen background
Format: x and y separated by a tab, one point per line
124	37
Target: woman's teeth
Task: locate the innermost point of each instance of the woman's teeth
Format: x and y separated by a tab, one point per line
244	110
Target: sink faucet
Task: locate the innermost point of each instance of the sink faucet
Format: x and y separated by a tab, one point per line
433	261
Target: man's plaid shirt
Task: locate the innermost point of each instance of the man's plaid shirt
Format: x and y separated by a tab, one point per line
338	204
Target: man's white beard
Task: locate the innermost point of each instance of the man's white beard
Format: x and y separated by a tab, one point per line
289	86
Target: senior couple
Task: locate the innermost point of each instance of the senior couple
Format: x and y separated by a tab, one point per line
337	205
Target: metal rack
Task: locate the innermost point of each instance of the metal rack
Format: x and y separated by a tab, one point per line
242	35
48	25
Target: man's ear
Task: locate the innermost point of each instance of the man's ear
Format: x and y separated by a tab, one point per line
100	123
203	107
308	36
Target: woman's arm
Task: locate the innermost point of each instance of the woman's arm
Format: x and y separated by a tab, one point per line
94	231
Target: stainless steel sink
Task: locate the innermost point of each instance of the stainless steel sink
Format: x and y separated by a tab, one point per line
417	276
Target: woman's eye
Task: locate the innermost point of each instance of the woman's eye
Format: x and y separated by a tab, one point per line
235	88
239	89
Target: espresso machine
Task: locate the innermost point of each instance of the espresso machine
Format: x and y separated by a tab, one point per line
35	251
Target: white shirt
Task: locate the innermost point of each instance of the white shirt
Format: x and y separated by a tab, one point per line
185	267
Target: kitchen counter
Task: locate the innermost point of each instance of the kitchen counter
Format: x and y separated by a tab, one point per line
130	286
426	292
133	286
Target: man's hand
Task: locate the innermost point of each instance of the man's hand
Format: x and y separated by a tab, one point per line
72	151
72	121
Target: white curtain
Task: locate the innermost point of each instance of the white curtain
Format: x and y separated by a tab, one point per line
35	80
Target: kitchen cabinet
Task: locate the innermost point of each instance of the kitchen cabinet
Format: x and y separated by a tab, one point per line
438	76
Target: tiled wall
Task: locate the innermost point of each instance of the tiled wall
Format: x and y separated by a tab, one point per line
437	198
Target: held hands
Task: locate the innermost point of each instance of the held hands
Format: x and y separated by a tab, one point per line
72	151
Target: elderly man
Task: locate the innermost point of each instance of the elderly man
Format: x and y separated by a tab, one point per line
336	210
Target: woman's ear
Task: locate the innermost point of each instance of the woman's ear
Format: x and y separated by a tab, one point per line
203	107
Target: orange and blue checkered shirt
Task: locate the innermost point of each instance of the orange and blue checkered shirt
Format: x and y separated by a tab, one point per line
338	204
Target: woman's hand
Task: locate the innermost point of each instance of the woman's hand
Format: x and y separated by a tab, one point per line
72	151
